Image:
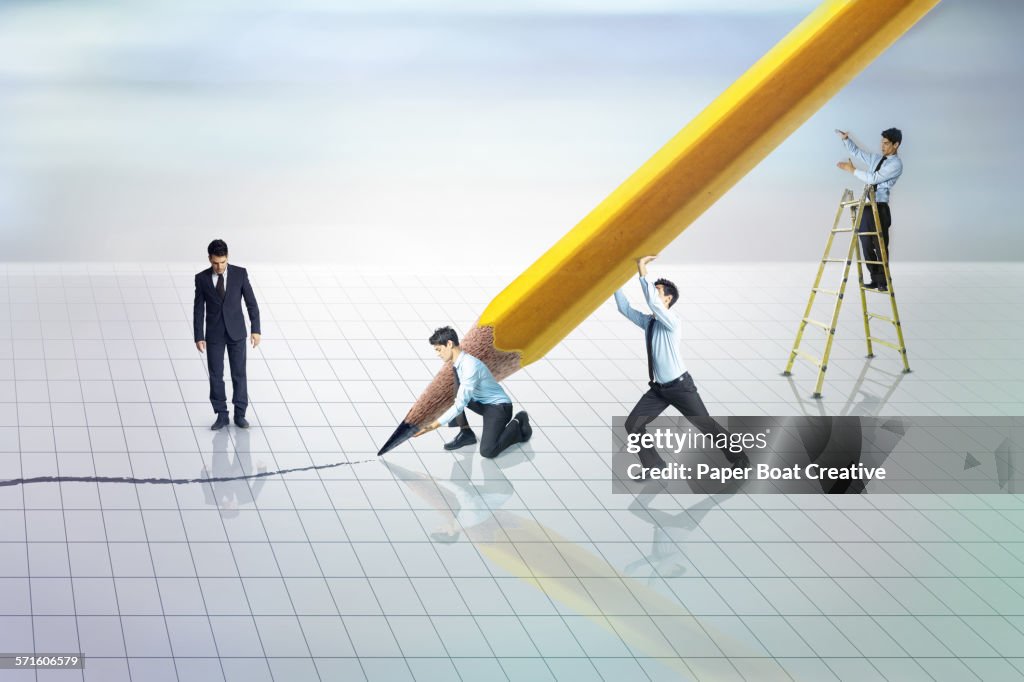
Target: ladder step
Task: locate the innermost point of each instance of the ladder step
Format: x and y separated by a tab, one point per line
885	293
830	292
807	356
883	317
884	382
872	339
845	229
872	262
817	324
836	260
854	202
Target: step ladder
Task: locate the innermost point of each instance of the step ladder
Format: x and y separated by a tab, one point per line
853	255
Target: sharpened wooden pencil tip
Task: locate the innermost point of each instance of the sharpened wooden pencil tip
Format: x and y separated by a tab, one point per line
404	432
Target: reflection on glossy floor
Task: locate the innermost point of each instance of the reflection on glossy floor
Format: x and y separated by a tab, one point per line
430	566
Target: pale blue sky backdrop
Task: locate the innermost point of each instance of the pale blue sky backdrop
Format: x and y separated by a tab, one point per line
371	132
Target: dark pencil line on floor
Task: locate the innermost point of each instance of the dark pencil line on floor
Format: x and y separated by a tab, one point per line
176	481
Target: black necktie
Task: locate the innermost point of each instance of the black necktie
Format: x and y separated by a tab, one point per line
650	350
457	382
874	187
220	285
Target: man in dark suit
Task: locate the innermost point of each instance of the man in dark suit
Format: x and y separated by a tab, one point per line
220	290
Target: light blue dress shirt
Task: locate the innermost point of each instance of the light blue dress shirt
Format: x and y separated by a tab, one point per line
475	383
886	176
668	331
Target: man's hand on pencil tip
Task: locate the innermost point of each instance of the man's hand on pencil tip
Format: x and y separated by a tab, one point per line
842	134
427	429
846	166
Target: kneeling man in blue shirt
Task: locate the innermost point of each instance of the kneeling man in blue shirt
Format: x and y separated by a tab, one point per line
477	389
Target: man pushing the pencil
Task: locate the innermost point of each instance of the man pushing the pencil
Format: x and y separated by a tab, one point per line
669	382
476	389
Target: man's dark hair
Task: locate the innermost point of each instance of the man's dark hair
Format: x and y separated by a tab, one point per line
442	335
894	135
218	247
670	289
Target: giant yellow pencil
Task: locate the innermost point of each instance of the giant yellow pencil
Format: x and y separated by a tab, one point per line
685	177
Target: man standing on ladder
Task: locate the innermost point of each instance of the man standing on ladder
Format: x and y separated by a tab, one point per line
887	169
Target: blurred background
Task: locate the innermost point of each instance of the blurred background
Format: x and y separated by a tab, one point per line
374	133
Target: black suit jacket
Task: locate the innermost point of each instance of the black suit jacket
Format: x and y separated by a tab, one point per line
230	308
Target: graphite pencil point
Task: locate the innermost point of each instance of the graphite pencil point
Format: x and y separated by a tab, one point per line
404	432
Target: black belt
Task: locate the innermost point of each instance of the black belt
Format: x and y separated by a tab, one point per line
667	384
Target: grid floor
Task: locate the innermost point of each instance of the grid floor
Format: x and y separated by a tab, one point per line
426	565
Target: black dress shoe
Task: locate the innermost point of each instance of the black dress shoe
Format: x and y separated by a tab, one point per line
883	287
222	421
465	437
241	422
524	426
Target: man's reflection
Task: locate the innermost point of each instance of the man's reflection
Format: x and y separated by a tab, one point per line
229	495
472	504
666	558
464	504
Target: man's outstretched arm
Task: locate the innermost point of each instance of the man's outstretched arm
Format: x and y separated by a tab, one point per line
867	158
631	313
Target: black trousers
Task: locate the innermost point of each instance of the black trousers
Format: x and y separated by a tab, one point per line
682	395
500	430
869	247
215	347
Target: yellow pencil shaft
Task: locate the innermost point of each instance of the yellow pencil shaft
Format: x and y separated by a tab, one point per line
686	176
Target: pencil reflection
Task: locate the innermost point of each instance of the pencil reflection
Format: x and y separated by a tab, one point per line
579	579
